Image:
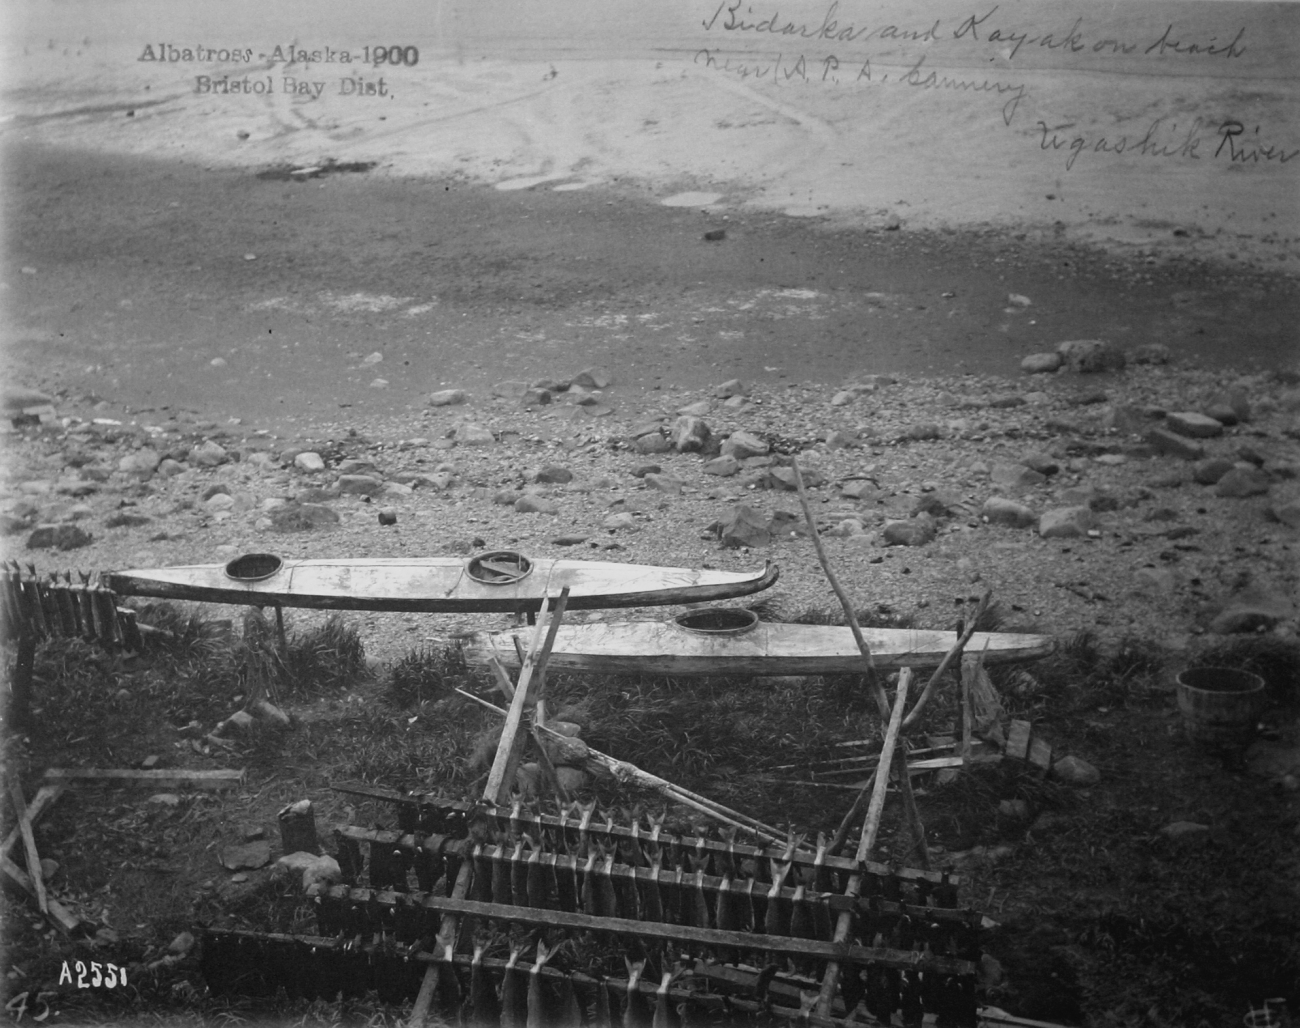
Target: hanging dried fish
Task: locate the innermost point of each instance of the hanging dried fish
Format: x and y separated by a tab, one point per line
514	994
636	1012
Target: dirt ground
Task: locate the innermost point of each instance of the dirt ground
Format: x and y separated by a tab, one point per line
127	278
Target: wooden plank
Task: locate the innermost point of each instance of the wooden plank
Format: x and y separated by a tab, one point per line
714	937
45	797
1018	740
29	845
1040	753
172	778
63	919
844	923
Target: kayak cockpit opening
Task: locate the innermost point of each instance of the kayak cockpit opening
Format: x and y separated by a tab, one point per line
717	620
253	567
500	567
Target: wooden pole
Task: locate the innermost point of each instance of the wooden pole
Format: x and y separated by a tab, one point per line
948	658
831	979
44	798
502	775
882	703
854	812
909	808
29	845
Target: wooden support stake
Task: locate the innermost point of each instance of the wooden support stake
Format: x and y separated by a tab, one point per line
877	690
63	918
831	979
502	776
967	716
29	845
44	798
854	812
948	658
909	807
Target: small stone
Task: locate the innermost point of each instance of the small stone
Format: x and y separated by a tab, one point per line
1019	300
1207	472
915	531
859	489
58	537
1193	425
535	397
249	856
531	503
1184	831
744	526
208	454
1286	509
141	462
641	470
1088	356
1242	481
731	387
1041	363
219	502
309	461
697	409
1150	353
1016	810
169	468
1076	771
1001	511
388	516
360	485
555	474
1253	609
1006	402
924	431
838	440
568	539
1043	463
1171	445
509	389
1067	522
623	521
652	442
664	483
447	397
690	434
470	434
723	467
592	378
742	445
843	398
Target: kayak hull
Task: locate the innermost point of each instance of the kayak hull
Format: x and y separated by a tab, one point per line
766	649
439	585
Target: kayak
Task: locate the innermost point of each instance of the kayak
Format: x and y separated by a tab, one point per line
502	581
732	641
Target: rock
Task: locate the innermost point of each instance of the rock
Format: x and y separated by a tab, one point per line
1041	363
859	489
249	856
1066	522
1016	477
924	431
531	503
1150	353
690	434
1286	509
140	462
1193	425
506	497
536	398
169	468
744	526
360	485
315	869
723	467
181	945
568	539
783	478
1001	511
555	474
208	454
509	390
697	409
16	399
388	516
935	504
1184	830
641	470
447	397
302	517
219	502
742	445
469	434
1006	402
731	387
664	483
843	398
58	537
1016	810
1157	581
623	521
652	442
915	531
593	378
1230	407
1171	445
1207	472
1091	355
1123	419
1242	481
1252	609
838	440
1043	463
1075	771
354	466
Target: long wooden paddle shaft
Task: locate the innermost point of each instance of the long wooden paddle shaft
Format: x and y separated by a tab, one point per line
831	979
502	775
882	702
948	658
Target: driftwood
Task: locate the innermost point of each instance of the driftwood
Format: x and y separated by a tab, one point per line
882	704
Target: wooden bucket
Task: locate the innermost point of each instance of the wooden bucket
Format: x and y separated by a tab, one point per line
1220	705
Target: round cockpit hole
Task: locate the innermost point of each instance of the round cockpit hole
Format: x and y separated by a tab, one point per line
253	567
718	620
500	567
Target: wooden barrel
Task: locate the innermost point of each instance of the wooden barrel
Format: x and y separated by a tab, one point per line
1220	705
